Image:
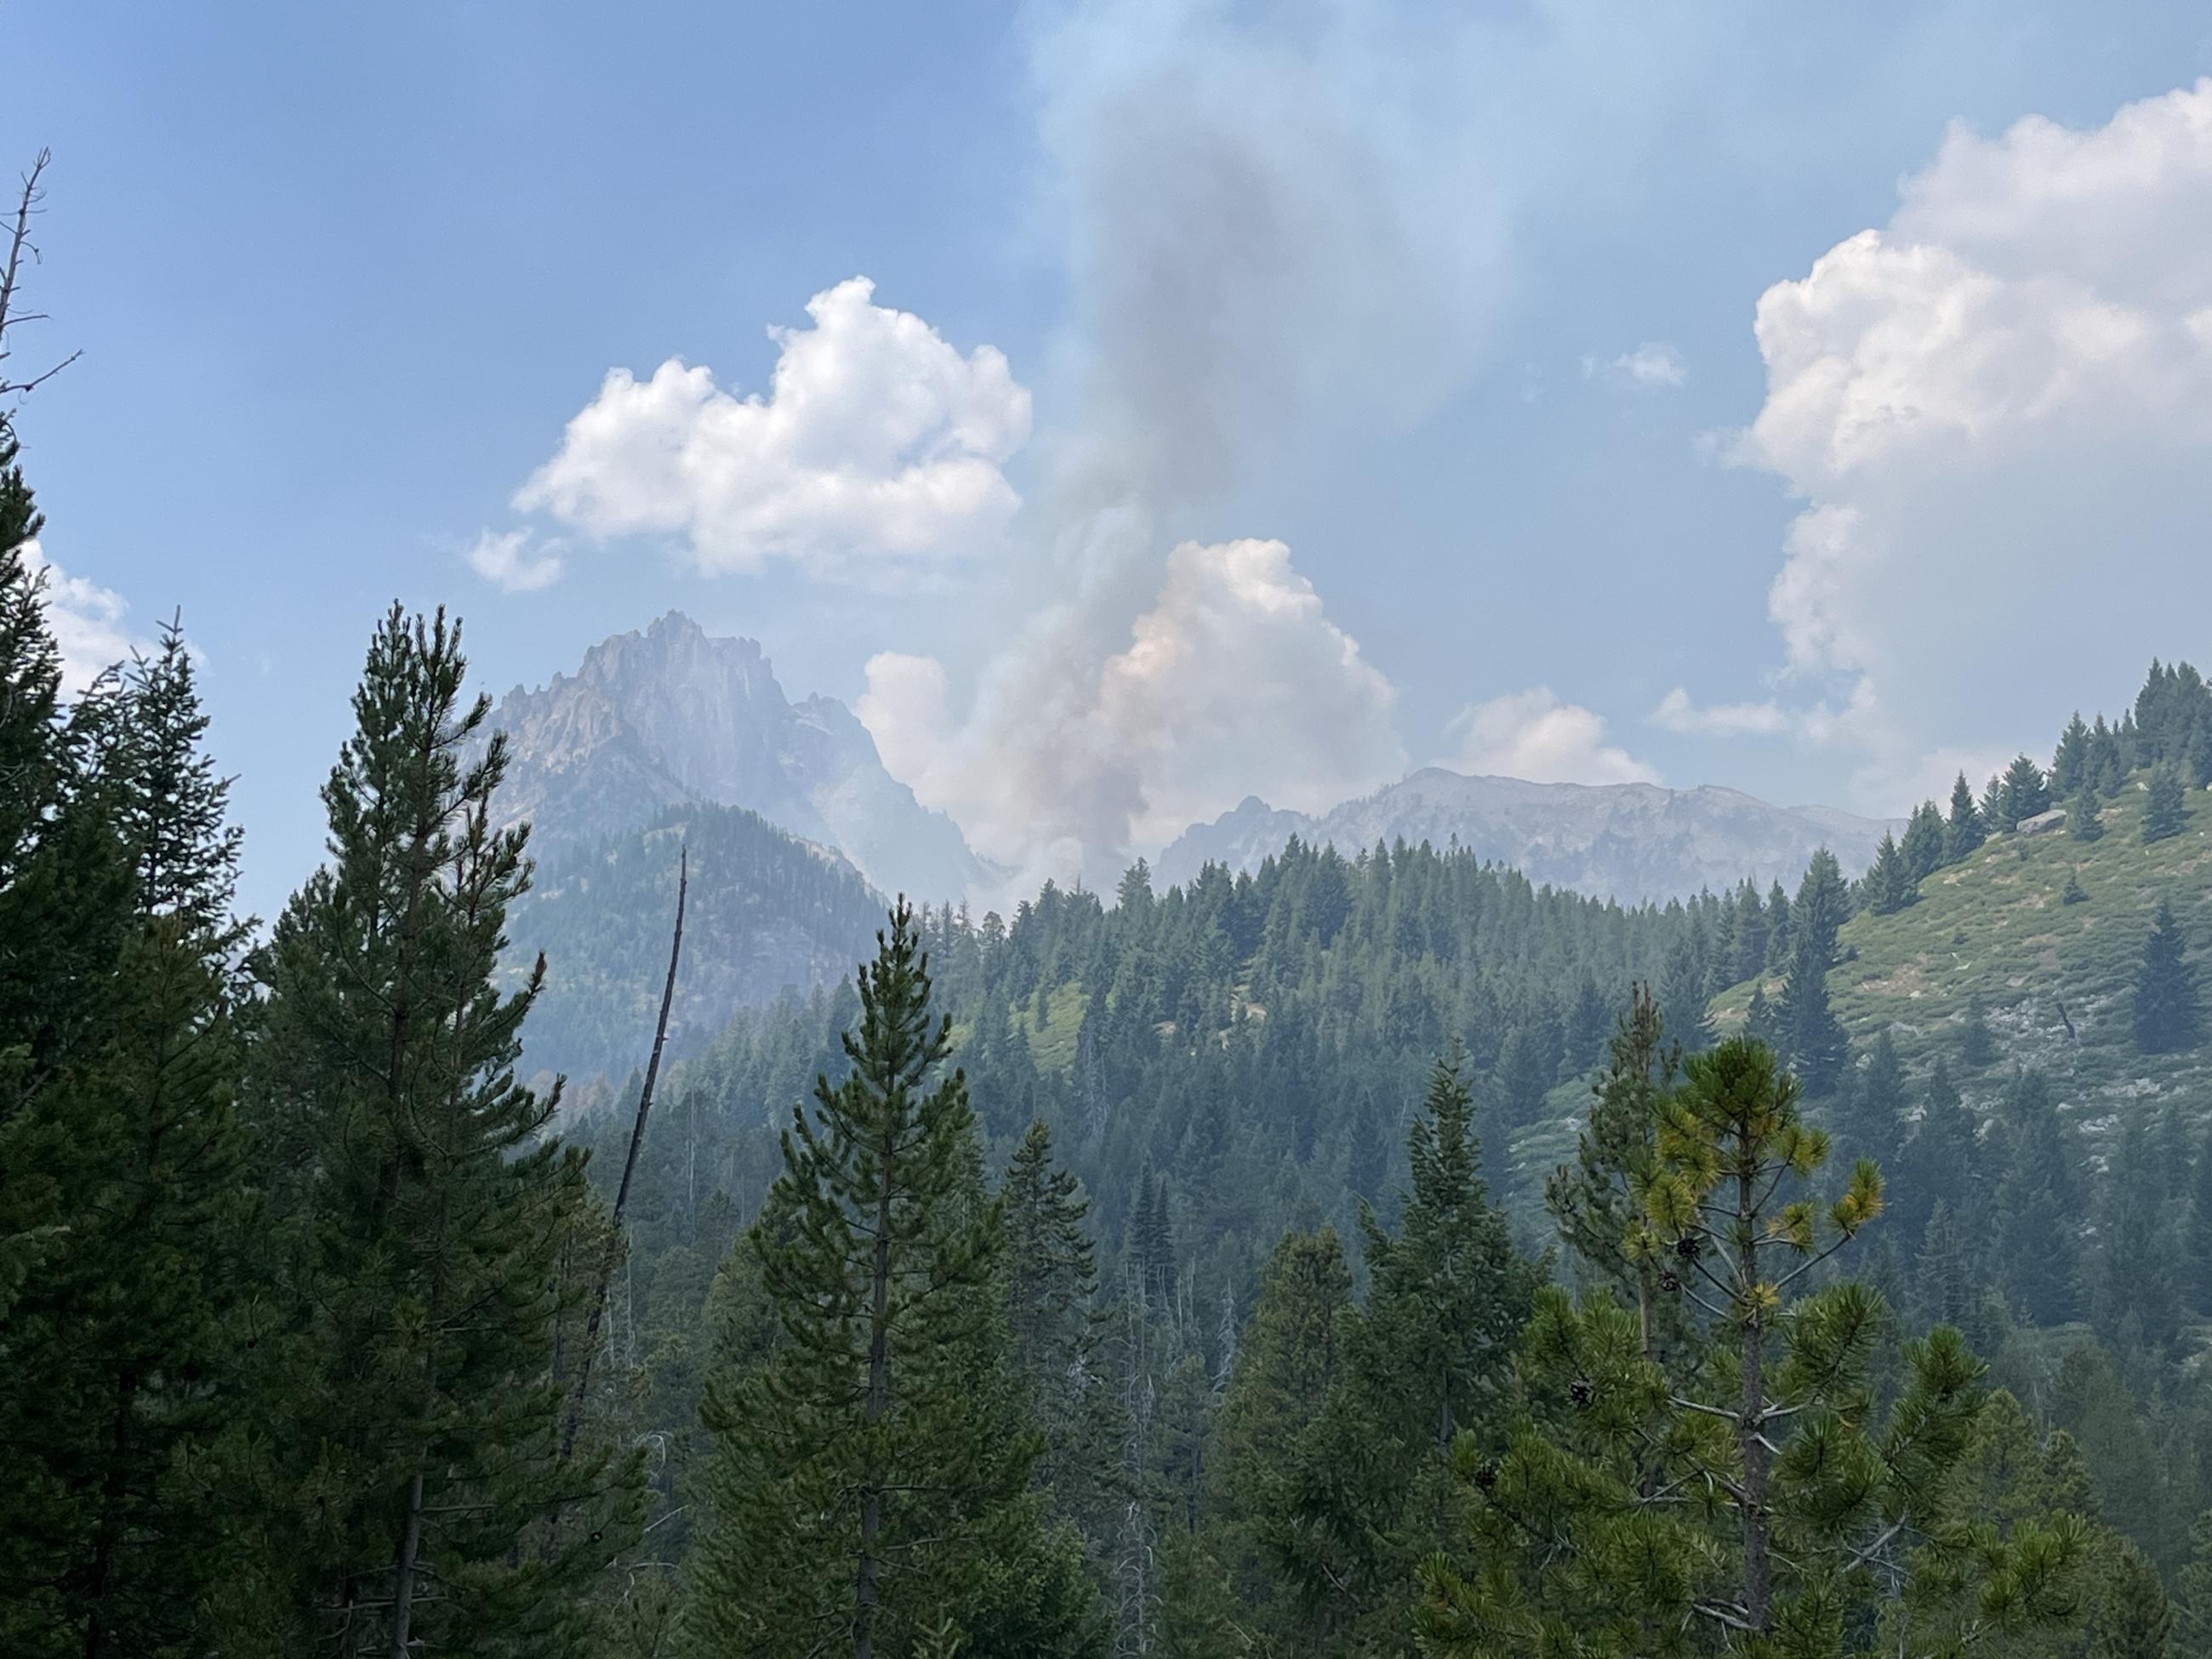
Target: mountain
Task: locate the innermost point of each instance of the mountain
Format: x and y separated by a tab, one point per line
674	717
2053	981
768	914
1630	842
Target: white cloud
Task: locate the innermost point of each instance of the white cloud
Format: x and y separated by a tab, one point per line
1677	713
1656	365
1533	735
878	445
515	560
1233	682
1997	412
87	621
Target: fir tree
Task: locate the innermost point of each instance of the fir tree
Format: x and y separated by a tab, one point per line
2168	1014
1288	1363
870	1471
1966	830
1977	1045
1923	845
2165	810
2074	892
1944	1287
418	1211
1052	1284
1889	884
2085	815
2021	793
1813	1036
121	1337
1684	994
2069	763
2037	1206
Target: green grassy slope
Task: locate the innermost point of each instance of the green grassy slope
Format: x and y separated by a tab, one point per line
1994	929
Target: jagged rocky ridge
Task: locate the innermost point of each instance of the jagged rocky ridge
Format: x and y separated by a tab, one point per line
1630	842
673	717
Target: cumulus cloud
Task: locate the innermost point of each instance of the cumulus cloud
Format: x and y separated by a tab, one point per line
1677	713
1532	734
514	560
878	447
87	621
1233	682
1653	365
1997	412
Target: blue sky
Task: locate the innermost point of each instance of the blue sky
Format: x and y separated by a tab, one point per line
1455	304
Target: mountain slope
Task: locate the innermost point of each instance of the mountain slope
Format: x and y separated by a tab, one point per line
2054	980
1630	842
767	914
671	716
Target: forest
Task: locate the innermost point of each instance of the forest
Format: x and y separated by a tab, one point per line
1371	1255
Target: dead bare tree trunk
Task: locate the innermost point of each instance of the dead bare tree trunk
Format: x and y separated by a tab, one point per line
575	1413
19	247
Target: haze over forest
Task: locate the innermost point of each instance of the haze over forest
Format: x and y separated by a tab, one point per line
1132	829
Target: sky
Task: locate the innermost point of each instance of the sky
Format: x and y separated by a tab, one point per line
1129	408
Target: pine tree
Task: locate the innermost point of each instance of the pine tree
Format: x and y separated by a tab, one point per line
418	1213
1967	830
2196	1236
1944	1286
1889	884
2168	1013
1870	1114
870	1472
2165	810
1942	1161
2074	892
1684	994
1808	1497
1977	1045
2085	819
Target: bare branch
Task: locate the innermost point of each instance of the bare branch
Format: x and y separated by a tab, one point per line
19	247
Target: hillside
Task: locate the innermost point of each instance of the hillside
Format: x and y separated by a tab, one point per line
1630	842
672	716
2053	979
767	913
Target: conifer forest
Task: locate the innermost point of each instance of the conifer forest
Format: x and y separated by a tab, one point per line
660	1188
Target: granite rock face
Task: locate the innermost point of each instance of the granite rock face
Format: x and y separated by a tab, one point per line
671	716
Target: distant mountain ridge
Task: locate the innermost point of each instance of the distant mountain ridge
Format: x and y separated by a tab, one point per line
1630	842
672	716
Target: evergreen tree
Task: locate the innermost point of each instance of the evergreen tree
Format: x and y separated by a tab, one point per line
2165	810
1942	1161
1807	1496
1777	925
1596	1202
2192	1598
118	1359
1966	830
2021	793
1052	1284
2074	892
1684	994
1889	884
1943	1284
1870	1114
1429	1355
2168	1013
2069	763
870	1472
1923	845
417	1214
1978	1046
1813	1036
1288	1362
2037	1204
2085	819
2197	1240
2132	1618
